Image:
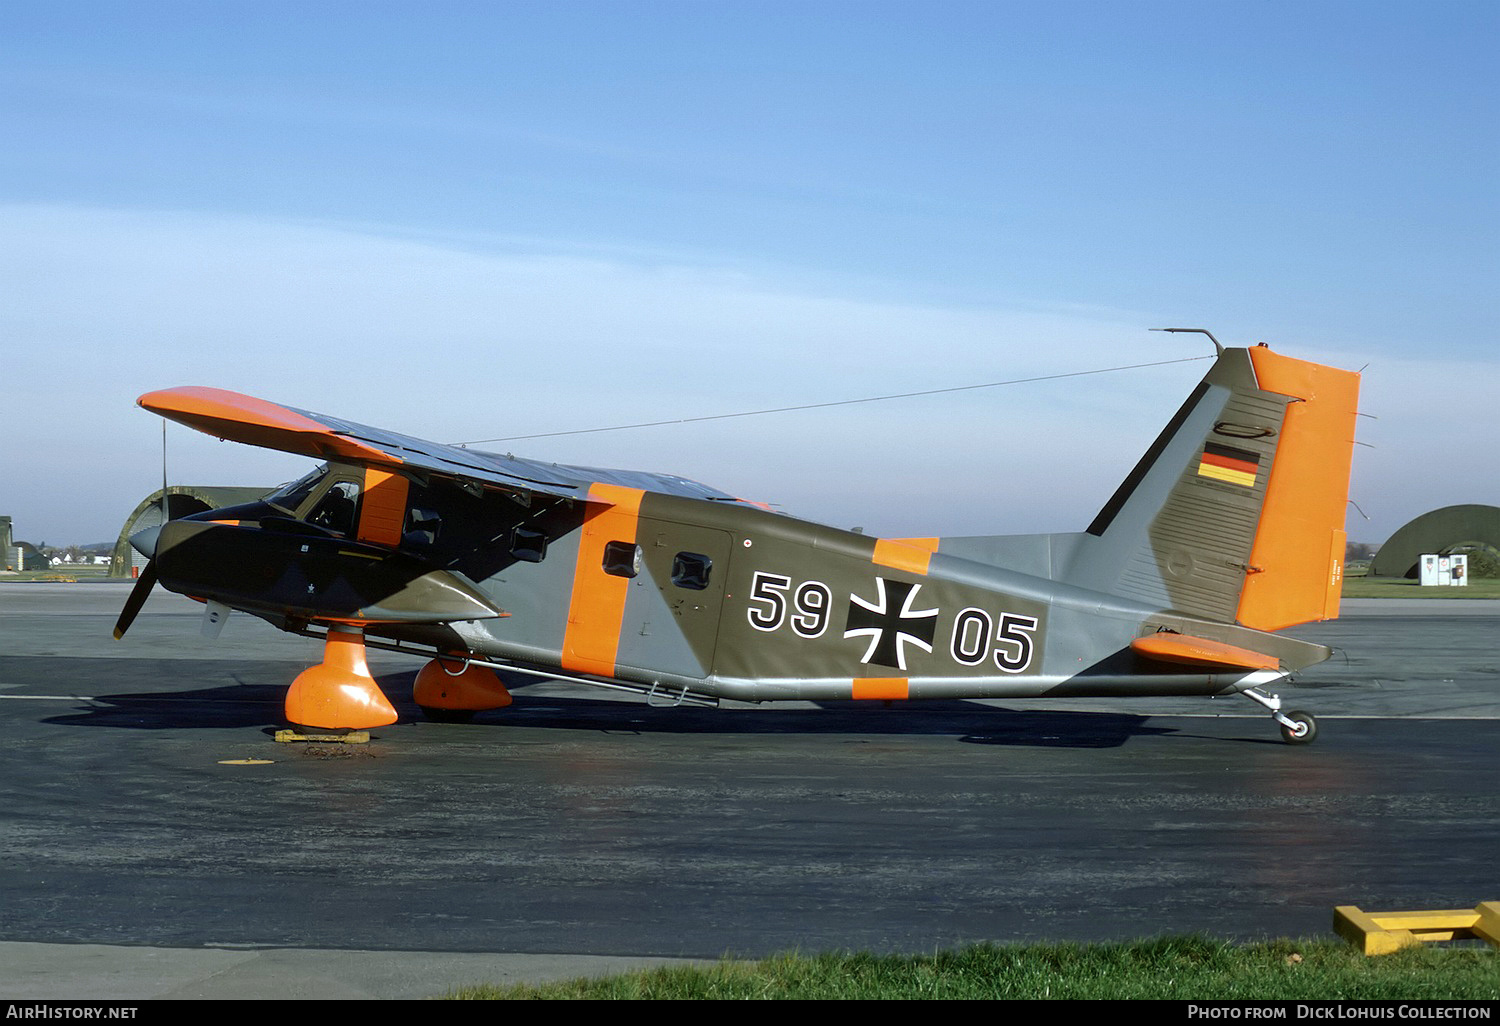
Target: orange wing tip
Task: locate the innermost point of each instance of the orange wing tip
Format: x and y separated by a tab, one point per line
244	418
199	402
1191	651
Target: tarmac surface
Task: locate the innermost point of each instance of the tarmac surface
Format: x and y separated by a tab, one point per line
156	842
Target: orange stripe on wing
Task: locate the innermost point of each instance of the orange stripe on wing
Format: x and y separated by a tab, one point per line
597	608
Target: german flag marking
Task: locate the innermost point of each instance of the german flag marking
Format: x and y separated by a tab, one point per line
1226	463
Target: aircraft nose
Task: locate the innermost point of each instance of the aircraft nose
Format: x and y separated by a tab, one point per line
144	541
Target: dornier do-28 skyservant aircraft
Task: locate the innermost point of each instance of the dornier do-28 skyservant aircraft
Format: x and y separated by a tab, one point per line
1229	527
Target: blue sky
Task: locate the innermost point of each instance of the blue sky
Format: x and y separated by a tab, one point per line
471	220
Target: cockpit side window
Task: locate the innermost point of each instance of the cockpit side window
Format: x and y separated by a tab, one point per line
338	508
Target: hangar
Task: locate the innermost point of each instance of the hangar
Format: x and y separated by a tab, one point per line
181	501
1467	528
18	555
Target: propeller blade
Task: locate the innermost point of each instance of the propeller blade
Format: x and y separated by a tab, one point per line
137	599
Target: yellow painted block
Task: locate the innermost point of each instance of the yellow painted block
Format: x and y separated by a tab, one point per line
1488	927
1441	919
354	737
1361	930
1380	933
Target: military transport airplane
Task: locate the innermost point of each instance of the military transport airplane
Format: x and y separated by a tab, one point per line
1230	526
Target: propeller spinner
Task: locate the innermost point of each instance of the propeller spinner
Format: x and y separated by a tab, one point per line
143	542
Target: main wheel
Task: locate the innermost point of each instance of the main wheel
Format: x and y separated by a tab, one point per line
1304	728
447	715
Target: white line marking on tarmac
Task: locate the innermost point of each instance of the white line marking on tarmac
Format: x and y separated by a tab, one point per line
52	698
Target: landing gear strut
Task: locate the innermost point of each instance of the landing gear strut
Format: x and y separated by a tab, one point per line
339	693
1297	727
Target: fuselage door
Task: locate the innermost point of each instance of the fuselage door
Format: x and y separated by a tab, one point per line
674	625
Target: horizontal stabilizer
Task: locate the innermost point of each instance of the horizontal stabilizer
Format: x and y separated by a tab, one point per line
1190	651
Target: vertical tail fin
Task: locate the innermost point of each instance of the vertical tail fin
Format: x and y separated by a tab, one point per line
1236	512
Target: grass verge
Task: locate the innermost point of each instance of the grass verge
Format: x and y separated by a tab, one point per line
1170	968
1396	587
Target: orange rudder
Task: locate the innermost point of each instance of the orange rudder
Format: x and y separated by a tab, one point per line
1297	558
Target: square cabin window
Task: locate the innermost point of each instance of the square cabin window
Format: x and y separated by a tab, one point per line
622	559
528	545
690	570
422	527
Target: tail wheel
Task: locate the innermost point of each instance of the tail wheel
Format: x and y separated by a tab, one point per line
1302	730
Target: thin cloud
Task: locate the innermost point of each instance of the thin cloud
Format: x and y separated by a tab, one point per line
456	343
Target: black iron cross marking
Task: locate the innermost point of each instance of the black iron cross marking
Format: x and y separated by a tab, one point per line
891	623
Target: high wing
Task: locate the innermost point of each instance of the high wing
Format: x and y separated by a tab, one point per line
242	418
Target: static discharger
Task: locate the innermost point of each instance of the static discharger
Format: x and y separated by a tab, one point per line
353	737
1380	933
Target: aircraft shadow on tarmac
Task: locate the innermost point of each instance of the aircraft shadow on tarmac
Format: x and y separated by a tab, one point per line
234	706
247	704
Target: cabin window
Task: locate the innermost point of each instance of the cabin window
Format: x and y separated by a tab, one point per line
690	570
528	544
422	527
622	559
337	508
